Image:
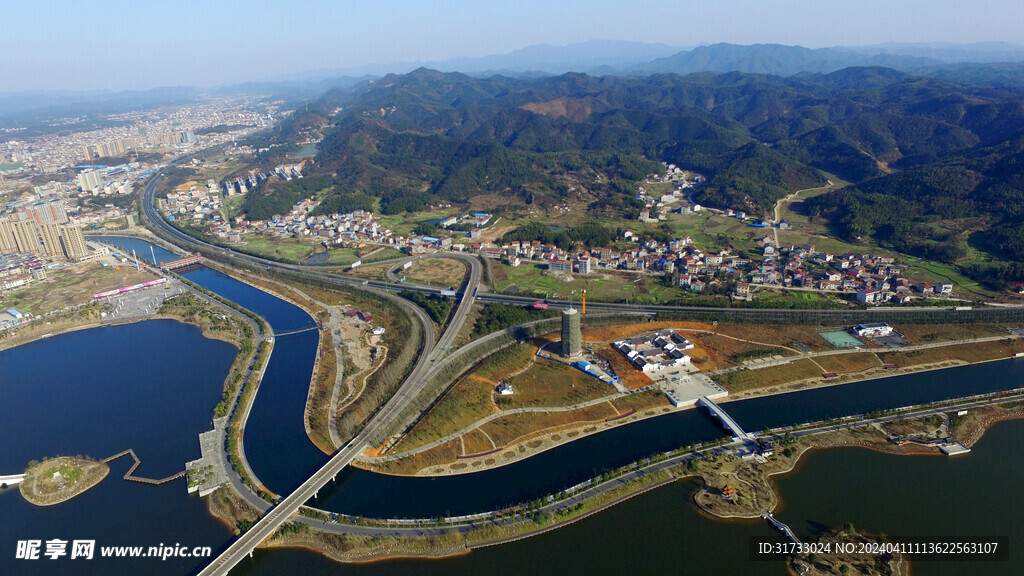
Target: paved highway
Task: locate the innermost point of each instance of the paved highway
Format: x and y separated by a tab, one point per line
427	366
286	508
420	375
315	273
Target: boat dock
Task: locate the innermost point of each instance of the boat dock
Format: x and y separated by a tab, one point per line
209	472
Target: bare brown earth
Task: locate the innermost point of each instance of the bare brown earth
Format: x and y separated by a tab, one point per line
574	109
436	272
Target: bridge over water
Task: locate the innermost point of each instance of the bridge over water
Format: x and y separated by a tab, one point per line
722	415
11	479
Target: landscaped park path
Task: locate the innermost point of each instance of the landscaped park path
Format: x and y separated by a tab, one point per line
860	350
486	419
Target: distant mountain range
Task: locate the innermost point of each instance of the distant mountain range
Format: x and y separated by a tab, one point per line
937	166
988	63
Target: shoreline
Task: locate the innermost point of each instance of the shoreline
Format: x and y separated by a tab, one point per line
90	473
366	463
267	285
91	325
794	466
797	461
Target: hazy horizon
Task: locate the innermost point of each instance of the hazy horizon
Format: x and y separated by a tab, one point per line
119	45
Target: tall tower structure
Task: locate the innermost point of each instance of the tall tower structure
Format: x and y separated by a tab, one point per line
572	337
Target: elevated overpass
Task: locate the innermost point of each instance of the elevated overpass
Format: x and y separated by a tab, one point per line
427	365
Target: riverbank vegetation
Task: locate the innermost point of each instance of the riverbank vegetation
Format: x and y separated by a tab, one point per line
750	495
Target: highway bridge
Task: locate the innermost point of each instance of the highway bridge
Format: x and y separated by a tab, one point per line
424	369
427	365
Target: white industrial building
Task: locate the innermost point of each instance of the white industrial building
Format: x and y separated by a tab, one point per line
872	330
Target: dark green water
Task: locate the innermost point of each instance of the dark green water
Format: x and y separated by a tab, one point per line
661	532
971	495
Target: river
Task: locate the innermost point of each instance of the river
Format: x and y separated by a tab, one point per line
656	530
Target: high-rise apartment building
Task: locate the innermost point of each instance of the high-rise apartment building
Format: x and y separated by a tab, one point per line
73	242
47	212
90	179
50	239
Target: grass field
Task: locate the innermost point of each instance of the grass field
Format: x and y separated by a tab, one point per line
725	352
741	380
642	401
374	271
537	383
286	250
231	206
549	383
842	363
476	442
514	427
468	400
71	286
604	286
783	335
402	224
926	333
975	352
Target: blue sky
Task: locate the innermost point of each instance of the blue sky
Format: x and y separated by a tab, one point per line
114	44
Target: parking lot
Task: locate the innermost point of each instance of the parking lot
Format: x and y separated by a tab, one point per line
894	340
142	302
684	384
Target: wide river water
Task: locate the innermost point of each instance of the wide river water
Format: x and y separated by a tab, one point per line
654	533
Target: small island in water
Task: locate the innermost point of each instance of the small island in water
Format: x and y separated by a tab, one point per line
60	479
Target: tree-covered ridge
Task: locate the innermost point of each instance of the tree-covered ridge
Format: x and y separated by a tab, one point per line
427	137
938	210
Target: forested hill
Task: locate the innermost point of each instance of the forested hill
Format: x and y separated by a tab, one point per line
428	137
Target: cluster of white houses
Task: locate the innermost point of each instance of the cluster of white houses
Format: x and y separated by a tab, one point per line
871	278
240	185
655	352
872	330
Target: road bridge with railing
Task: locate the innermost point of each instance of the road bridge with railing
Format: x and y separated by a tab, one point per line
722	415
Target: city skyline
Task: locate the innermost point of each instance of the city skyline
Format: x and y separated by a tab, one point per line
118	45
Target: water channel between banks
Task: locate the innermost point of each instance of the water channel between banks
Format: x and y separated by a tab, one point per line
282	455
